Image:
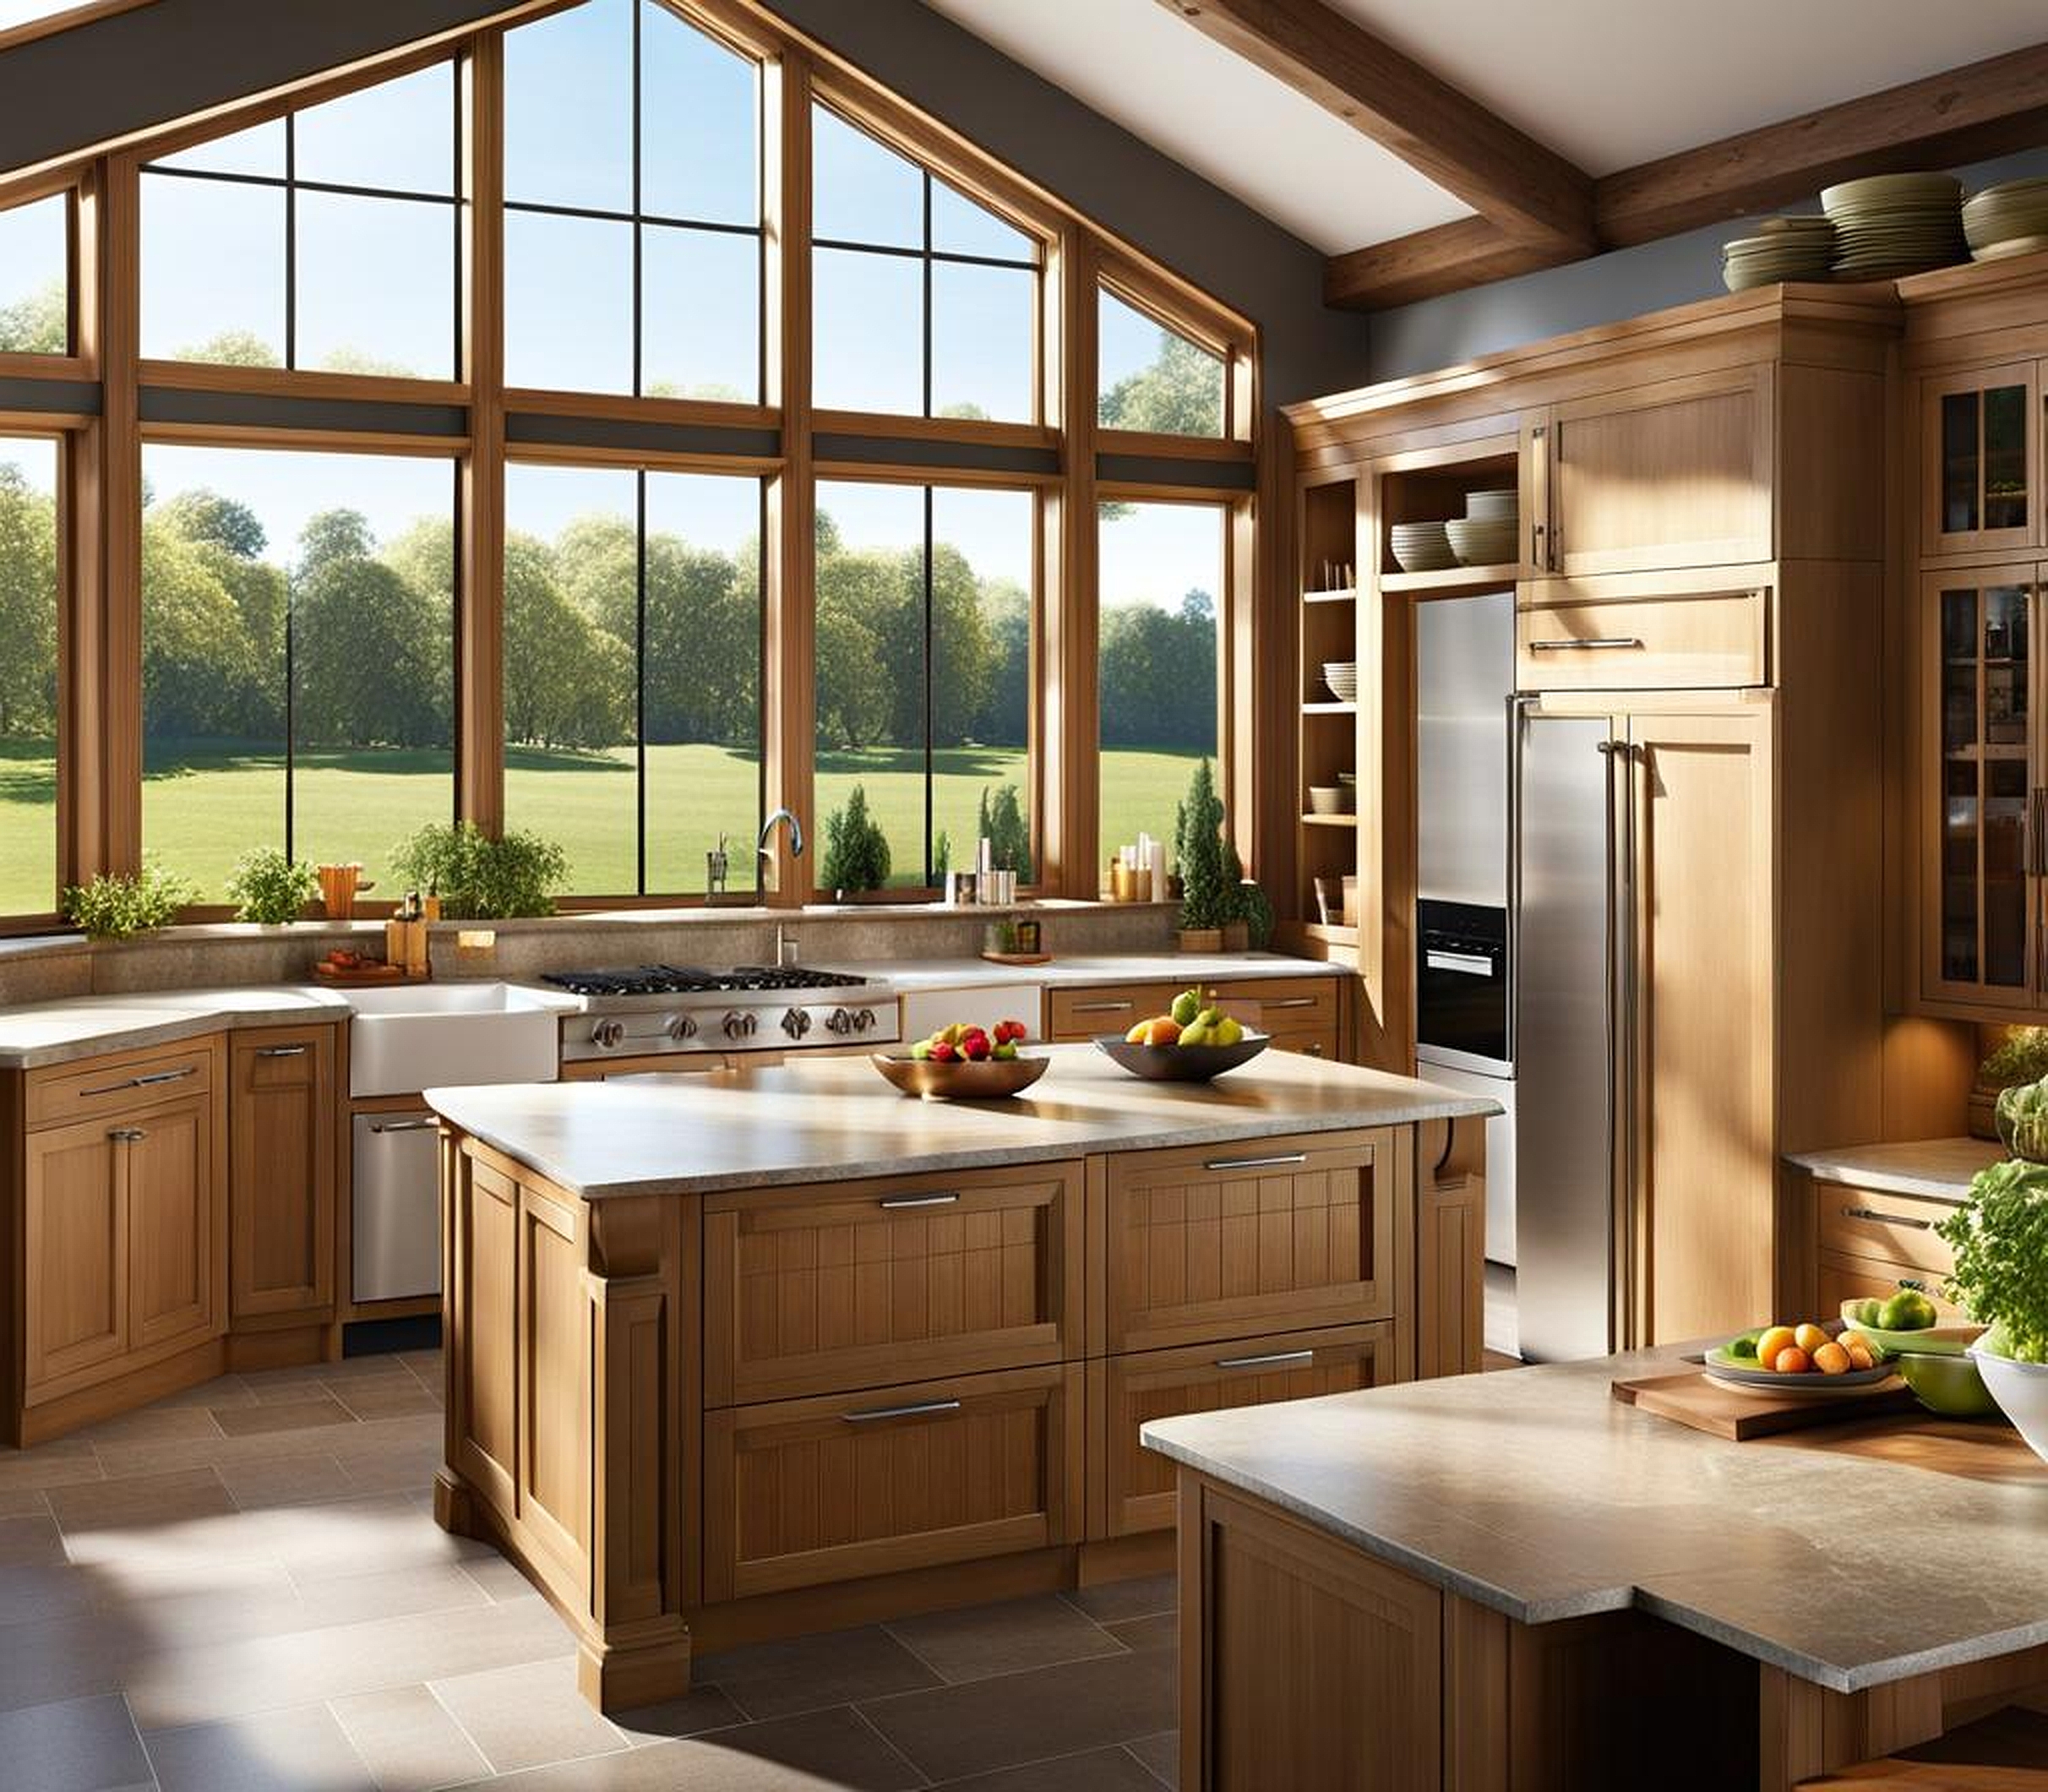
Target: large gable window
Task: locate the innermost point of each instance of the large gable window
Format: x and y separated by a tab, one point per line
1152	376
926	303
633	209
328	239
35	277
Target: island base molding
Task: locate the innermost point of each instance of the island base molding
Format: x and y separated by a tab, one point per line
1305	1662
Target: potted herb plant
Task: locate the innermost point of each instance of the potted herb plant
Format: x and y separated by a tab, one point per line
2000	1237
270	888
120	905
2021	1057
856	850
480	879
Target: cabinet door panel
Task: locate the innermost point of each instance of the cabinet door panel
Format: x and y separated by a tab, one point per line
171	1239
1080	1014
804	1492
76	1279
1980	460
1231	1242
864	1284
1697	1240
1672	475
1845	1277
281	1172
1300	1013
1131	1488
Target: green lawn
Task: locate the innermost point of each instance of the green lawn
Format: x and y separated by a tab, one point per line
204	809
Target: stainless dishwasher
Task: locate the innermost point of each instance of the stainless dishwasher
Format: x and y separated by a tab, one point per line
397	1195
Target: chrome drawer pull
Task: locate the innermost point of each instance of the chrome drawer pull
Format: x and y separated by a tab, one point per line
1274	1361
1889	1219
403	1125
280	1051
1100	1007
1256	1164
149	1082
1292	1001
896	1201
127	1134
1592	644
918	1409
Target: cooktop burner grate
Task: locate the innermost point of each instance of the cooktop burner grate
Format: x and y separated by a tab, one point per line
697	980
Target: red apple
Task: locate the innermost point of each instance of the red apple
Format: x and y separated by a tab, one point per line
943	1052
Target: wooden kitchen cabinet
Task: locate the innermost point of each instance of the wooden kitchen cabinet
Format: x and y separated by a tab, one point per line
1300	1012
124	1229
1670	474
281	1177
1079	1014
1130	1489
1209	1244
858	1285
1981	487
801	1493
1696	631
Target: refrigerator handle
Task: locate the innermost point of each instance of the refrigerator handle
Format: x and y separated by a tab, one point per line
1620	1032
1519	706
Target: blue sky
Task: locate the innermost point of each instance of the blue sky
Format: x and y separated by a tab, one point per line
378	276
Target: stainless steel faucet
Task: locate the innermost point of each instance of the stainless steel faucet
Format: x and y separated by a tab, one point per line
762	854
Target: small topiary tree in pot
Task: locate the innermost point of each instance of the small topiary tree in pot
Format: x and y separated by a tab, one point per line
855	849
1208	898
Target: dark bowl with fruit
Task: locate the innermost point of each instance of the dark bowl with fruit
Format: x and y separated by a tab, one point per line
963	1063
1192	1042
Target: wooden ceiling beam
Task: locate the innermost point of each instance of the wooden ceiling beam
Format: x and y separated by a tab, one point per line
1428	263
1967	114
1524	190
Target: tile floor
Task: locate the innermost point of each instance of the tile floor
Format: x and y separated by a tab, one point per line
243	1589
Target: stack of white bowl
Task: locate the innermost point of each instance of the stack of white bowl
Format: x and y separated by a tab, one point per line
2009	219
1487	533
1342	676
1779	249
1421	548
1890	225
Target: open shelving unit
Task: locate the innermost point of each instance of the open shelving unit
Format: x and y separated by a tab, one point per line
1326	852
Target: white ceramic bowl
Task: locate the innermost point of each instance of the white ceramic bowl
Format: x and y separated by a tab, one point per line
2021	1390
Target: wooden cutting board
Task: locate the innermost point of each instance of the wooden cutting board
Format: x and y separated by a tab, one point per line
1690	1399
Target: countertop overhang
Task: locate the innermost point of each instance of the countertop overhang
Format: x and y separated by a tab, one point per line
1533	1492
824	1120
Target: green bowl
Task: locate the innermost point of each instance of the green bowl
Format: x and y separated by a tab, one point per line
1947	1385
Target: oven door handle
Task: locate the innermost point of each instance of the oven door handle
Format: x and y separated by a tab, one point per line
1465	964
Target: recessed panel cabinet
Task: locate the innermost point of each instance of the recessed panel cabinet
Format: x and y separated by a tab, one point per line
1980	460
282	1140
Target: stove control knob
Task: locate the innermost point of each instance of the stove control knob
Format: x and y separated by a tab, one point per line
796	1022
739	1026
863	1022
682	1027
839	1022
606	1035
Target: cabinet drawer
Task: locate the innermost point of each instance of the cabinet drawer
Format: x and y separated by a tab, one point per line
1843	1277
864	1284
1130	1489
1299	1012
1080	1014
805	1492
1689	642
1895	1228
1232	1241
119	1084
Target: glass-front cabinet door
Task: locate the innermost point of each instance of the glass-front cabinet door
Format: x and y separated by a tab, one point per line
1980	460
1980	892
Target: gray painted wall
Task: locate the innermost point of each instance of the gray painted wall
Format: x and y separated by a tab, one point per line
1436	333
164	61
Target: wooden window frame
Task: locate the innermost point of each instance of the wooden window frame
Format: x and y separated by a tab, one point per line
782	440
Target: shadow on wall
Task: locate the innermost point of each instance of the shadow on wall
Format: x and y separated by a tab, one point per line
1440	332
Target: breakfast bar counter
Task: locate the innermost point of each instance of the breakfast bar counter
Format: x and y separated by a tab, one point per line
1527	1540
755	1352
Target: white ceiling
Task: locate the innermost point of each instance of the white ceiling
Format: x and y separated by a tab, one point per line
1607	84
1233	124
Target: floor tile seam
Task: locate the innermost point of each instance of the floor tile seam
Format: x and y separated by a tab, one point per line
323	1706
625	1742
149	1760
888	1628
867	1723
1144	1765
333	1711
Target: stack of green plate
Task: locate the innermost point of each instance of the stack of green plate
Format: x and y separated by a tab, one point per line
2009	219
1779	249
1890	225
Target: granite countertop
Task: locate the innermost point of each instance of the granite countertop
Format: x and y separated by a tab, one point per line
1535	1493
1085	969
1934	1169
829	1119
83	1026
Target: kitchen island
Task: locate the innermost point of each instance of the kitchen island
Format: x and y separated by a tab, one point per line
1517	1580
766	1351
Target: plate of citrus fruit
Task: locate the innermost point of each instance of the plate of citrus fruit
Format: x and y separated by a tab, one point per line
1799	1359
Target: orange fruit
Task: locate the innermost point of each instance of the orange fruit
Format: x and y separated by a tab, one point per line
1778	1338
1810	1338
1831	1359
1792	1361
1164	1031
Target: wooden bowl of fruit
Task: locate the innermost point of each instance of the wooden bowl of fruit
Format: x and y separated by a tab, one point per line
1805	1359
1189	1043
966	1063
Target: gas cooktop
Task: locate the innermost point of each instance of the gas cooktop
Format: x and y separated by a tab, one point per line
696	980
